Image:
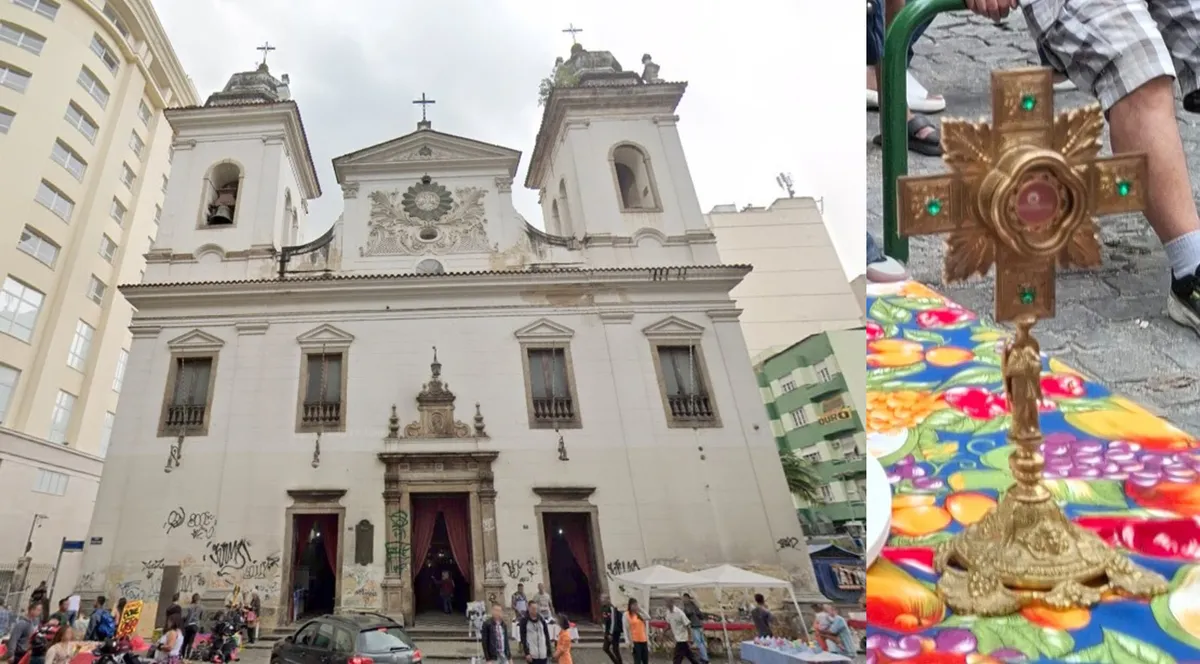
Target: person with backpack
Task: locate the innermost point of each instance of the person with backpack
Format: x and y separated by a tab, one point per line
102	625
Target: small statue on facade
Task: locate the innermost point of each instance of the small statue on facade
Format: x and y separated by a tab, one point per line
649	70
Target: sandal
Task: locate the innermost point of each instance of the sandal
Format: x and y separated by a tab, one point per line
930	146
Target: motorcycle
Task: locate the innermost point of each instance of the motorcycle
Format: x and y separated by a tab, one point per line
116	652
222	643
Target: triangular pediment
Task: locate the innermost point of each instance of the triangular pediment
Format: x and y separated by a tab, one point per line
673	327
426	146
544	329
196	340
325	336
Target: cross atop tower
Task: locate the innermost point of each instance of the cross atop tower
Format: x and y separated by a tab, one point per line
266	48
572	30
424	105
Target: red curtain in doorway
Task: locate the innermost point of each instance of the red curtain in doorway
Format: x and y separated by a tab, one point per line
329	536
575	532
458	529
423	521
304	525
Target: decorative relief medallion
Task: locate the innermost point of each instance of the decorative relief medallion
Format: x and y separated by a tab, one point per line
426	219
427	200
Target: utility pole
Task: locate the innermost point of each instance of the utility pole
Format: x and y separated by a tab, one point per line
37	519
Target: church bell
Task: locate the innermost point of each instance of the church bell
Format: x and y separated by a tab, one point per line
221	211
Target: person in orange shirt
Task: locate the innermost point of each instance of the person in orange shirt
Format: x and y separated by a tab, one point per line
562	652
637	629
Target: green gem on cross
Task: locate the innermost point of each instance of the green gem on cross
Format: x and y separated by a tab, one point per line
933	206
1028	102
1124	187
1027	295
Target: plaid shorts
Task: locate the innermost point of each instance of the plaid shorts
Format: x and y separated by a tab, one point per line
1113	47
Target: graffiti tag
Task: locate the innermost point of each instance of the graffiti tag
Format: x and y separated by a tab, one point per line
618	567
203	525
521	571
788	543
230	556
399	525
397	554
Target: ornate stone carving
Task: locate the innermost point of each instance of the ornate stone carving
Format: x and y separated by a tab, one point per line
504	184
426	219
423	153
435	405
349	190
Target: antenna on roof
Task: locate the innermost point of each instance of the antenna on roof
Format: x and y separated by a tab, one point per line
786	183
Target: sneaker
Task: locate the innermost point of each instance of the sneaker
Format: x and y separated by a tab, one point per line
890	270
1183	304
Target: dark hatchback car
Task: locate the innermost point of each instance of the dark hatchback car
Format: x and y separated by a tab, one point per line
357	638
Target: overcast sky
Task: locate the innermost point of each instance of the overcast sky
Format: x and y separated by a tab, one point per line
774	85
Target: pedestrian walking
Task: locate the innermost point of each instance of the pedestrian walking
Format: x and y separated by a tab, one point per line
614	627
493	636
761	616
696	622
534	633
562	649
637	627
191	624
23	630
677	622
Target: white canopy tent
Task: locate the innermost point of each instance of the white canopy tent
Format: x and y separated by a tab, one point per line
718	578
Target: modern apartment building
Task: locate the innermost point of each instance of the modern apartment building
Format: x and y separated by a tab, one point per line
798	287
84	160
815	393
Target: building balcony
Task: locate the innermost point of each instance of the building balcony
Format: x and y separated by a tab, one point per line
184	417
691	407
840	512
321	414
553	409
841	469
835	424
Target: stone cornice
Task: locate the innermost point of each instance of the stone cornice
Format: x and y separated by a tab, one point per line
655	100
367	287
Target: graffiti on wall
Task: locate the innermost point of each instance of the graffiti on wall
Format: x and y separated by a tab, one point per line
619	566
396	557
200	525
360	587
788	543
235	558
521	571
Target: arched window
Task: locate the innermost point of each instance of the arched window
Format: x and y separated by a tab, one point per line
567	227
555	218
222	185
289	218
635	185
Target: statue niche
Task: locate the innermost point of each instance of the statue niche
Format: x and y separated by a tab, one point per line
223	183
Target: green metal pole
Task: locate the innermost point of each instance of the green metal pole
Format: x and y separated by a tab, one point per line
893	107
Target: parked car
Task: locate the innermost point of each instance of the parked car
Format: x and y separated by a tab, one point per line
359	638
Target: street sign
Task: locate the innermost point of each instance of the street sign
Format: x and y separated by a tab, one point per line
97	541
72	545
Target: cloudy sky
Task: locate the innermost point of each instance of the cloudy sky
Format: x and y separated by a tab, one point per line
771	87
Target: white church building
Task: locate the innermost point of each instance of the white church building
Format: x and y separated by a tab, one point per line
435	388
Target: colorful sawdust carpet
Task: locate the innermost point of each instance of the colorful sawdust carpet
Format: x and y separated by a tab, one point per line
937	420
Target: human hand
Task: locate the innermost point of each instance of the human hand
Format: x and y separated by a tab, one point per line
528	658
993	9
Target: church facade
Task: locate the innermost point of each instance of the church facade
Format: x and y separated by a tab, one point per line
435	395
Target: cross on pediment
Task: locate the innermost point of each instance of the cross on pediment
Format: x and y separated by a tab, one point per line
1022	193
424	105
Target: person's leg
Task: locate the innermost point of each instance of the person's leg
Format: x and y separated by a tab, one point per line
1114	49
700	642
641	653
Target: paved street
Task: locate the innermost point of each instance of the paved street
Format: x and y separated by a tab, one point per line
1111	322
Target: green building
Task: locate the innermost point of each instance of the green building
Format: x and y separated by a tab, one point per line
815	392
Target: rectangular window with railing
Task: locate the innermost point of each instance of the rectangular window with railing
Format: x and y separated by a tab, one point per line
64	156
81	346
22	37
13	77
105	53
322	403
136	144
117	211
88	81
552	401
77	118
189	391
54	200
685	386
47	8
96	290
60	419
39	246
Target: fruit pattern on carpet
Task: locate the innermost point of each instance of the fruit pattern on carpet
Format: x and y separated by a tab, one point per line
937	419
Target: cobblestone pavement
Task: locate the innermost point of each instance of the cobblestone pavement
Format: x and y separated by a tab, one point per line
1111	321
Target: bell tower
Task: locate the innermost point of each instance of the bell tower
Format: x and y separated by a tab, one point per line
608	161
241	177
